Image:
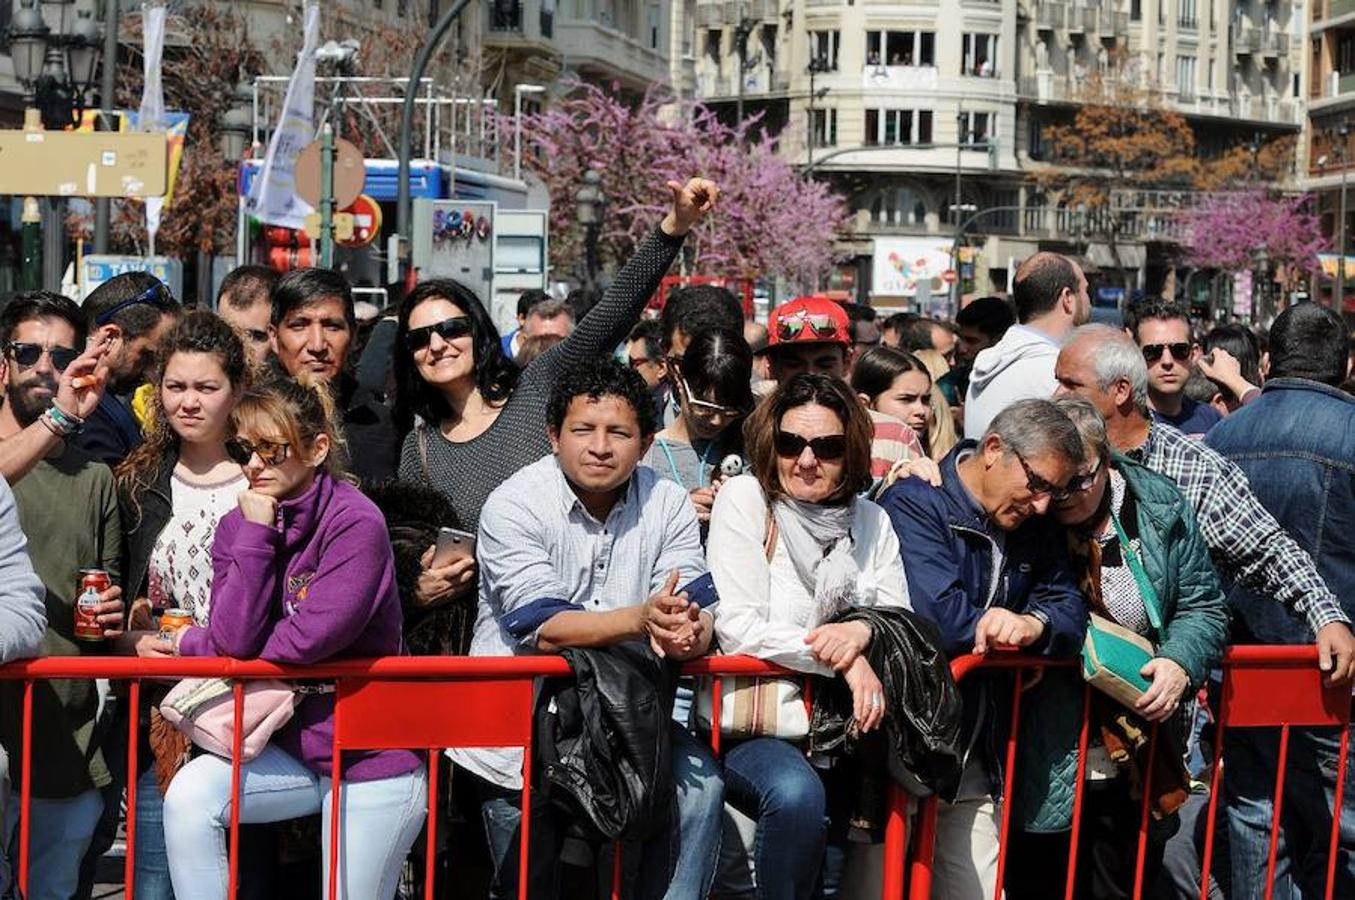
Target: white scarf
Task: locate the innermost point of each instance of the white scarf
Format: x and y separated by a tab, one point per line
818	540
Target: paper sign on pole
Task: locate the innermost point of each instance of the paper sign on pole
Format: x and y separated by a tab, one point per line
273	198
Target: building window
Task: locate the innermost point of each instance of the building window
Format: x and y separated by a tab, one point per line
1185	77
1345	53
901	48
825	127
898	206
1186	16
974	129
979	55
890	127
824	45
1135	10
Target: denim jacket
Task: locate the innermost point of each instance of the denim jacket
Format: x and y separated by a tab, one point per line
1296	443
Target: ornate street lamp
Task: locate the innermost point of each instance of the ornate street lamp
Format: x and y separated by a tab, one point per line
592	207
58	70
237	124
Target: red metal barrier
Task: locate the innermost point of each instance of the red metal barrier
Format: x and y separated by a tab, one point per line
394	702
1263	686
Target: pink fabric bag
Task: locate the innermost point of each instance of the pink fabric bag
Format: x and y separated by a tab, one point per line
204	710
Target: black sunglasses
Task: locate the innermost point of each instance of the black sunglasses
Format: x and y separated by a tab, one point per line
271	453
448	329
27	355
150	297
1153	352
1037	484
791	445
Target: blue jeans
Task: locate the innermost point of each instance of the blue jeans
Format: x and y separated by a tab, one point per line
1251	760
380	821
59	835
677	864
152	861
771	781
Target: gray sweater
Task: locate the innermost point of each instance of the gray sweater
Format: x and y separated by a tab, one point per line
467	471
23	617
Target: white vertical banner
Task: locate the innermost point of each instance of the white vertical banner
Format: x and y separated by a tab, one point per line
273	196
152	111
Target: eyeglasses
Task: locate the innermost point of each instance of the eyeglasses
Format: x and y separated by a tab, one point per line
1153	352
270	453
1037	484
638	361
828	447
149	297
1080	484
27	355
704	408
788	328
448	329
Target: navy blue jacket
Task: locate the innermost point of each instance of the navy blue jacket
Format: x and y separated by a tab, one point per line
1296	443
110	433
948	547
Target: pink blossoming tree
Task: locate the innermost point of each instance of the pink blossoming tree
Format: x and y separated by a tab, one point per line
1227	230
770	221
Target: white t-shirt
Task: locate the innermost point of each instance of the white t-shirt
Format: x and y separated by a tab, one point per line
180	570
765	609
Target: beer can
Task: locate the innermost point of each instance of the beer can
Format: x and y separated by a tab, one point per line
92	583
171	620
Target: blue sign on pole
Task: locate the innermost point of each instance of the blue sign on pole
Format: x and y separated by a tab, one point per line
98	268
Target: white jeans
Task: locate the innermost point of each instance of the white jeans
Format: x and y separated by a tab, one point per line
965	866
380	821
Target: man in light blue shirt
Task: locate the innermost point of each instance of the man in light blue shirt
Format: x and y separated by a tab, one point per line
567	548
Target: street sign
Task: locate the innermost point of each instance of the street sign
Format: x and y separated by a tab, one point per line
948	276
350	172
366	214
83	163
98	268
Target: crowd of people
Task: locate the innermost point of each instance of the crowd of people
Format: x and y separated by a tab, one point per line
856	501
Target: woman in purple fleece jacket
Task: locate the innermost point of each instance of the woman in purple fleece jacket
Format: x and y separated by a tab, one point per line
302	573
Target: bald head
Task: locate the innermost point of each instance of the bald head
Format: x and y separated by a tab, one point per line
1051	289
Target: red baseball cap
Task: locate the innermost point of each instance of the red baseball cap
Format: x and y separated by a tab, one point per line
814	319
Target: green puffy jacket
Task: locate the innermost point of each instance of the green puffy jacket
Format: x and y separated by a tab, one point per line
1194	631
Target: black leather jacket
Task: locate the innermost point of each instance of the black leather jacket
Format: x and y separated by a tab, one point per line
922	747
603	741
143	518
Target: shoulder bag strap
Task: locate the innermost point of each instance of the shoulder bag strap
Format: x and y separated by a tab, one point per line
769	542
1146	590
421	435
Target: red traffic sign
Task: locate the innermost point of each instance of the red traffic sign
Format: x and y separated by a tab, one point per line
366	221
948	276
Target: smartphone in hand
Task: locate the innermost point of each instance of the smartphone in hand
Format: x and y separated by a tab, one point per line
451	546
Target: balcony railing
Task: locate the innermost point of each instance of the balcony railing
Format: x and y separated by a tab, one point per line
1091	20
1337	8
1274	43
1050	16
709	15
1077	21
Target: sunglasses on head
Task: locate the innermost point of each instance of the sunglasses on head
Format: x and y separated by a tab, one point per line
1153	352
270	453
150	297
27	355
788	328
448	329
1037	484
791	445
704	408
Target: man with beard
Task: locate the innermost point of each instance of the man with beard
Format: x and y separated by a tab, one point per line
131	313
68	505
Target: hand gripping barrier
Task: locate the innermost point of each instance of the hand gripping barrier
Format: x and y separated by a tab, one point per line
1263	687
432	703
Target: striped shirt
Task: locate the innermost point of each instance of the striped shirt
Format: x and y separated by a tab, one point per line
1248	546
541	553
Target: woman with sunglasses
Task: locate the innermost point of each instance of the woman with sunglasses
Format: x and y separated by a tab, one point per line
479	419
172	491
714	386
302	573
791	545
1143	565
